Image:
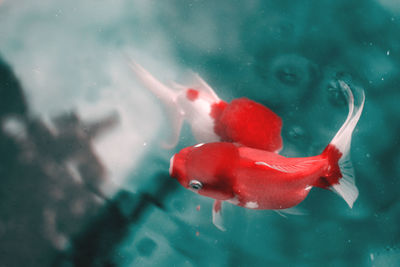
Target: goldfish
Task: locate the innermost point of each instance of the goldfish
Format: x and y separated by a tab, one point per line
241	121
258	179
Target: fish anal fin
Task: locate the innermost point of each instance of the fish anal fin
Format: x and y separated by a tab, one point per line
217	216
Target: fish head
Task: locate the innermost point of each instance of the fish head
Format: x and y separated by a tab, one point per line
206	169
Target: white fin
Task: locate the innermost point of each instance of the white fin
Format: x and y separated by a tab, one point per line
205	87
291	211
216	215
176	118
177	86
163	92
199	84
346	187
167	96
342	139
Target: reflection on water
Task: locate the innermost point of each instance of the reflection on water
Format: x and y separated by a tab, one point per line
55	192
51	178
84	181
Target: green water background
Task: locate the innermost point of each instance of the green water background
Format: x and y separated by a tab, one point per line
60	58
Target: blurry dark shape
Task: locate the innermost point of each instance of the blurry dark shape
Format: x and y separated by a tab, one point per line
335	95
69	143
97	243
54	190
12	100
40	195
79	150
52	182
12	103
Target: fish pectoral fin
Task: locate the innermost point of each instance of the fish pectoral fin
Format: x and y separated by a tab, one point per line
291	211
217	216
176	117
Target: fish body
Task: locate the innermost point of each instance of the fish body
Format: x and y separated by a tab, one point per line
252	178
259	179
242	121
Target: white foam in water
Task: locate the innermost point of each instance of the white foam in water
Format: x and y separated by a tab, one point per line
82	67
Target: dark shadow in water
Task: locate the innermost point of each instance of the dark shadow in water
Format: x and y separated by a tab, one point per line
97	243
53	205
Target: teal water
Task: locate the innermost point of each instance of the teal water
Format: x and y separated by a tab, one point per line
84	180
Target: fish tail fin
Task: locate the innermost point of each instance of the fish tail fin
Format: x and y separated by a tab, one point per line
340	178
167	96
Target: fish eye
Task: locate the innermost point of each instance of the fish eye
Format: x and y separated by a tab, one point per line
196	185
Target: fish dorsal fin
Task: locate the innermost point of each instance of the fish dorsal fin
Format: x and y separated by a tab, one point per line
288	168
203	86
196	82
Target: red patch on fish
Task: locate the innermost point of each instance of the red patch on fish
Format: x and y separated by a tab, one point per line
192	94
217	207
248	123
334	173
217	109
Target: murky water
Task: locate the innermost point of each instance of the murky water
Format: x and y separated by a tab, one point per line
84	178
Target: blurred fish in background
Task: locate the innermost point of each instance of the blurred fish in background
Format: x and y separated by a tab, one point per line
84	181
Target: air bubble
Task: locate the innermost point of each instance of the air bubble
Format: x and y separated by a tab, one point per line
296	133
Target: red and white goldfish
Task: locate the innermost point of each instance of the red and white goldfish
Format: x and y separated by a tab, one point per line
259	179
242	121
